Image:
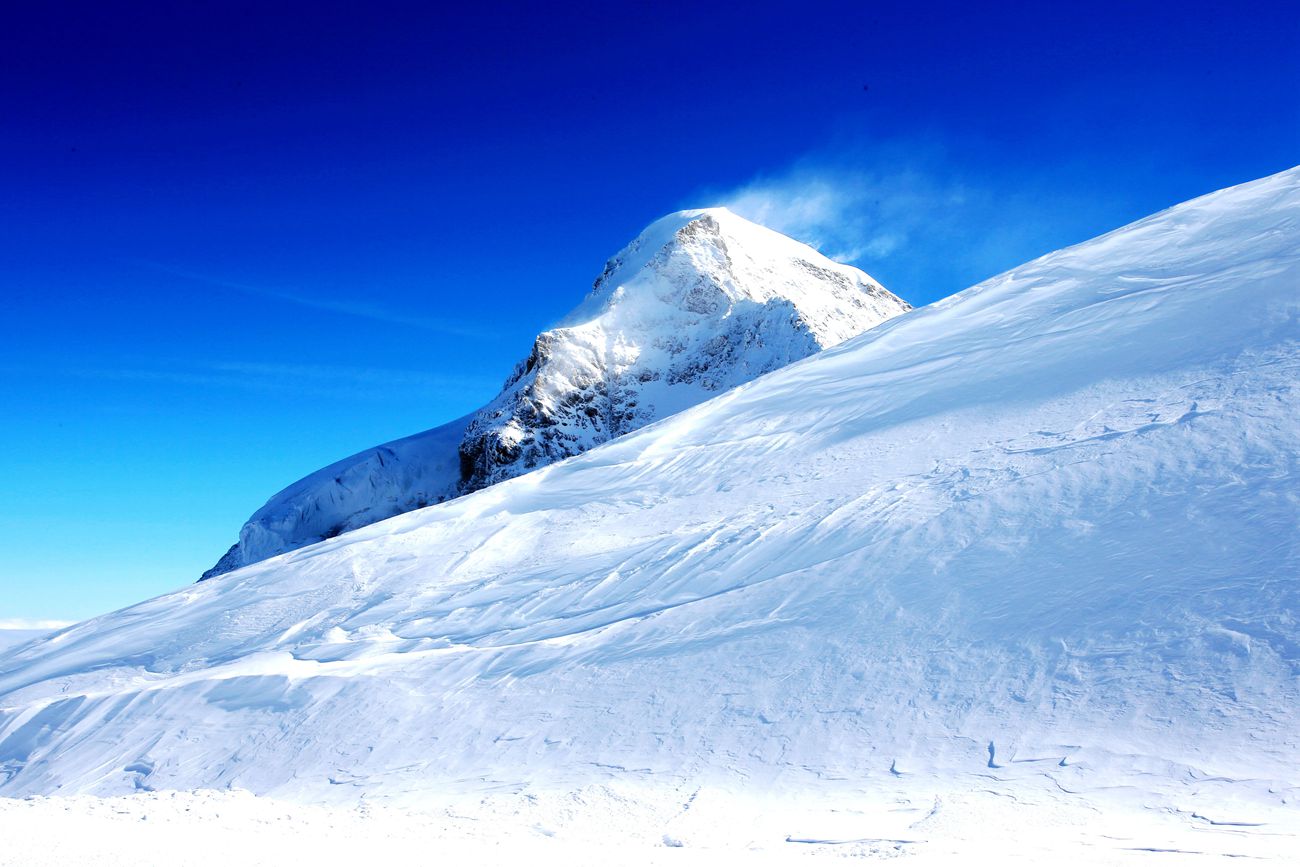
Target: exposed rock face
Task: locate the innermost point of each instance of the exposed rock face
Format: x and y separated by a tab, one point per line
700	302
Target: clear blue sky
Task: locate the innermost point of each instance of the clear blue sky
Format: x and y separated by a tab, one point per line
239	241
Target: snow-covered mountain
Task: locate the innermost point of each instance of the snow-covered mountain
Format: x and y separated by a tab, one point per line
1042	532
700	302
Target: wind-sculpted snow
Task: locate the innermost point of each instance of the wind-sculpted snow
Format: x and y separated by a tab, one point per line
357	491
1043	533
700	302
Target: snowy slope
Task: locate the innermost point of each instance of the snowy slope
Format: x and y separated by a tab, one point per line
1042	534
700	302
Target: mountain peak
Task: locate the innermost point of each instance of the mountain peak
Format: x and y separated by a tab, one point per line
699	302
670	224
740	260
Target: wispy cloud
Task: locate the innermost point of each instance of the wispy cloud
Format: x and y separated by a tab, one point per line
22	623
312	379
360	309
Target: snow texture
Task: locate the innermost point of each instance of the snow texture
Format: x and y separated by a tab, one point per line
1037	540
972	825
700	302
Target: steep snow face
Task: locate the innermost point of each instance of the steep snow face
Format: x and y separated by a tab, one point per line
700	302
1042	533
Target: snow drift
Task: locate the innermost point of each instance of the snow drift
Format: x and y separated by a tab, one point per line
699	302
1046	528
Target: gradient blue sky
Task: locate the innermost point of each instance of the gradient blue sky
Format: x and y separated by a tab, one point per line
239	241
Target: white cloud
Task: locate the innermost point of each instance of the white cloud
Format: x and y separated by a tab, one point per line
8	623
345	307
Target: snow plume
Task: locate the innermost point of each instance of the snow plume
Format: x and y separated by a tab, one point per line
918	219
849	213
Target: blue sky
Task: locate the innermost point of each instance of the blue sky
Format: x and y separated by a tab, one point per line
242	240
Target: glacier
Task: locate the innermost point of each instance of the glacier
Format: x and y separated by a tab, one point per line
1039	538
699	302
